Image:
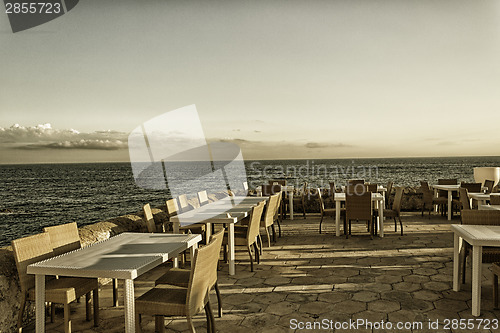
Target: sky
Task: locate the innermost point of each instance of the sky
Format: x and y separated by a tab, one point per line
282	79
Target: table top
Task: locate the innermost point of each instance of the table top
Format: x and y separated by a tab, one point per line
446	187
124	256
226	210
489	207
479	195
375	196
483	235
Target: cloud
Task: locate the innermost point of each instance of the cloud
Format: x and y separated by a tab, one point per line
45	137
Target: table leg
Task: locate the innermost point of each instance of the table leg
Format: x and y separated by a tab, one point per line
456	262
40	302
231	248
194	247
436	207
290	200
449	205
208	232
381	206
129	303
477	256
337	217
176	230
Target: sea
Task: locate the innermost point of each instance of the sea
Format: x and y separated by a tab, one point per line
38	195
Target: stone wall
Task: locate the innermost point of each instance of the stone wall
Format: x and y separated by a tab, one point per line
10	292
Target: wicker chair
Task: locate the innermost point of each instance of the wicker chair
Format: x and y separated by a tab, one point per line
269	216
463	194
481	217
180	277
494	199
268	190
247	236
203	197
488	183
396	209
444	194
355	181
63	290
388	194
429	201
328	211
184	204
164	301
358	207
299	200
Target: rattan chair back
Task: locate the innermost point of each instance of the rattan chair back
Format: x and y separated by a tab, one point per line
268	190
29	250
148	218
488	183
203	197
396	205
358	206
281	182
372	188
254	223
204	267
464	198
444	193
172	208
481	217
494	199
64	238
271	208
355	181
472	187
427	193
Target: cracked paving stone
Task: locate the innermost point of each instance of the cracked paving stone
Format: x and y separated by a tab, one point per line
282	308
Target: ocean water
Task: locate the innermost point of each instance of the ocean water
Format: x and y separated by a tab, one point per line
35	196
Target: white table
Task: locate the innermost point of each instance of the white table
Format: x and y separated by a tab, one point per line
479	196
125	256
229	210
489	207
477	236
450	189
378	198
288	189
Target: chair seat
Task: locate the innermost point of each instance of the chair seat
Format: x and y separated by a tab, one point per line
240	238
390	213
162	301
175	277
66	289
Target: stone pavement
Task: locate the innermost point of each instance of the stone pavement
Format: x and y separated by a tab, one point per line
311	278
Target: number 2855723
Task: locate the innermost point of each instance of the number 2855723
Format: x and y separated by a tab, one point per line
32	8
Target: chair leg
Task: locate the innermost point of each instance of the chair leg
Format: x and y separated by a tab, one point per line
464	264
159	324
88	299
138	322
260	244
401	225
209	320
251	258
495	290
268	237
257	254
115	292
219	300
395	225
320	222
279	228
67	320
274	234
95	299
52	311
21	313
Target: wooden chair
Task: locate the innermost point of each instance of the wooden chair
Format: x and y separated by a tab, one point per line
163	301
358	207
203	197
328	211
488	183
248	236
269	216
184	204
180	277
388	194
480	217
429	201
149	219
494	199
64	290
396	210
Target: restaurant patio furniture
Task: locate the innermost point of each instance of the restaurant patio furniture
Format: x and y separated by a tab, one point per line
358	206
125	256
328	211
164	301
396	210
